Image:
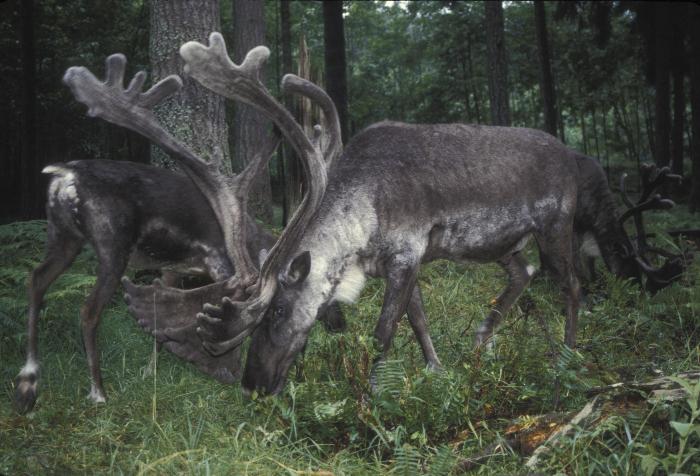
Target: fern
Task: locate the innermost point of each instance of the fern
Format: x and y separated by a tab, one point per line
70	285
406	461
390	377
443	462
12	276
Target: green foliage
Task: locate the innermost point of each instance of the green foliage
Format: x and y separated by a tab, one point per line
175	420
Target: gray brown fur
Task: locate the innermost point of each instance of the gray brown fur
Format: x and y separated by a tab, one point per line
402	195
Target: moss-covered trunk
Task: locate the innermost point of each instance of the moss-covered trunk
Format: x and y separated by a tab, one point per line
195	115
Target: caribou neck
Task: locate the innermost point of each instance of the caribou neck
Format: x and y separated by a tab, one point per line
596	214
338	240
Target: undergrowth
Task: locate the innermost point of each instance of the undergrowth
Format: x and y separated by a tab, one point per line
327	420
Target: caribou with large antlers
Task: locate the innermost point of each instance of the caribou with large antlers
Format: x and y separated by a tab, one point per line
401	195
155	218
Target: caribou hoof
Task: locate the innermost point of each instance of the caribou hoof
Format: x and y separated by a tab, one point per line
97	395
25	394
435	367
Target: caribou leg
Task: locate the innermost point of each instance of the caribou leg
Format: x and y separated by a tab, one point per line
61	250
400	281
555	244
519	275
112	264
419	324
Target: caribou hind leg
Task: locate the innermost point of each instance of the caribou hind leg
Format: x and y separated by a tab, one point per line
419	324
61	250
519	275
112	264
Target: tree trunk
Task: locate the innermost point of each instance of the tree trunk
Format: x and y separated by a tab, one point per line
465	85
562	125
595	133
498	68
293	171
649	124
605	144
249	126
475	89
546	79
694	61
334	56
194	115
662	116
584	136
30	195
678	119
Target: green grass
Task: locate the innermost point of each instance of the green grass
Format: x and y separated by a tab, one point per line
326	421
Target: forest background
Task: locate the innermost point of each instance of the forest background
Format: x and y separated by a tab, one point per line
619	81
615	80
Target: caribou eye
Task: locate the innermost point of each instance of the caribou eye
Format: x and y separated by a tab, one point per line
279	312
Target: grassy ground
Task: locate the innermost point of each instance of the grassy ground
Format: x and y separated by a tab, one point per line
326	422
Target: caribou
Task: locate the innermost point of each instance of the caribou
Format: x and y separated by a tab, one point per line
144	217
401	195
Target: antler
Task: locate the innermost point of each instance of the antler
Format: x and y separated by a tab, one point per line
674	266
212	67
133	109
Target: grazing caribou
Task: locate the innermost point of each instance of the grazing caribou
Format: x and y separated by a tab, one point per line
147	217
401	195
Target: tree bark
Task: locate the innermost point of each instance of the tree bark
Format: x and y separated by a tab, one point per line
694	61
546	78
31	196
678	119
249	126
662	114
194	115
334	56
498	68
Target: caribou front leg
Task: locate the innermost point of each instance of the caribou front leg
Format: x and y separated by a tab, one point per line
400	281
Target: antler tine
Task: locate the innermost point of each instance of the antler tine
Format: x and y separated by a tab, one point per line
653	177
115	66
654	203
623	191
133	109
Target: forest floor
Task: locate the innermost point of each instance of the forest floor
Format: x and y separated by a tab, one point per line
327	421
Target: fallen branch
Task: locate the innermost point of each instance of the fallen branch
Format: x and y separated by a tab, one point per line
535	436
662	388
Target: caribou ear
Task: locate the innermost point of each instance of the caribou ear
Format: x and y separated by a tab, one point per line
298	270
